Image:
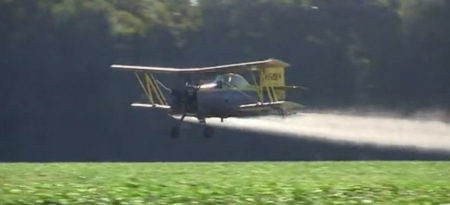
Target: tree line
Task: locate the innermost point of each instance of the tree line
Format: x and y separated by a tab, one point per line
373	52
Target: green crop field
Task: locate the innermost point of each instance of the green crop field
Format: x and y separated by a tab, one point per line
226	183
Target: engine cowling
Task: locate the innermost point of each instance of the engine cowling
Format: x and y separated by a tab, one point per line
185	100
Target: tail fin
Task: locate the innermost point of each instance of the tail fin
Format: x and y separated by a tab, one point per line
273	77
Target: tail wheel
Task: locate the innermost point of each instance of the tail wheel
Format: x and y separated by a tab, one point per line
208	132
174	132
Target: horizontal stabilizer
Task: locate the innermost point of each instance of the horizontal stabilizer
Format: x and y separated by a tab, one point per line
286	87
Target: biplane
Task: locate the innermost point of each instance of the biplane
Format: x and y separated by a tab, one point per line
217	92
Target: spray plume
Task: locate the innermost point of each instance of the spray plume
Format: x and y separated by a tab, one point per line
375	130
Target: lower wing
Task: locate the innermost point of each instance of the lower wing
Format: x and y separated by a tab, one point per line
269	108
155	106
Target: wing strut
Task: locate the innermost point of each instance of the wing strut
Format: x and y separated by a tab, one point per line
258	88
151	89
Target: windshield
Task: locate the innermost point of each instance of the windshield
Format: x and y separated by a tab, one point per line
231	80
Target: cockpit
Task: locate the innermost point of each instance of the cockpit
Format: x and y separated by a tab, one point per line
229	80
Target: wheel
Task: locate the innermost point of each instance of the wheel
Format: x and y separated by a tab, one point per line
208	132
174	132
285	113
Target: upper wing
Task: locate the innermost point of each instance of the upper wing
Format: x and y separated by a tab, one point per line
238	67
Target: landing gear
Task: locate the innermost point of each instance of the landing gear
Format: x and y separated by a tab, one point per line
208	131
175	130
284	113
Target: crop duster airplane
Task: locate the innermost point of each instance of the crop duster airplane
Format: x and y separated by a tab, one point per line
217	91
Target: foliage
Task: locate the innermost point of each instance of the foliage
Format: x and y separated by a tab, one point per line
213	183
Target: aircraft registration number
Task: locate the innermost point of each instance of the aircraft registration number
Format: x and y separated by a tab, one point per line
272	76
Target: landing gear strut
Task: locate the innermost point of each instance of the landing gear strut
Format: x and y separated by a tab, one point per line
175	130
208	131
283	112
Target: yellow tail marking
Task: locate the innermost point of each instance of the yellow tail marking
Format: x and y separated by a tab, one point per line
272	77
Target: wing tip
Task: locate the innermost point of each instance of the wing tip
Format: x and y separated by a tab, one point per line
278	62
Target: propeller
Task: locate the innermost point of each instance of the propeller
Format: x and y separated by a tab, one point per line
183	98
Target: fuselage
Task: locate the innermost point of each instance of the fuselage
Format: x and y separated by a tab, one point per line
222	98
223	102
218	98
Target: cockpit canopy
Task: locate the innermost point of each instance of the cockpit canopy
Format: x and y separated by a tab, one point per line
229	80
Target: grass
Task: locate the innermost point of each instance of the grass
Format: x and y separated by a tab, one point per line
226	183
